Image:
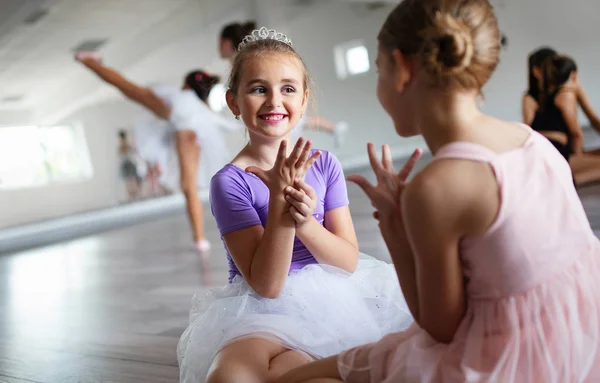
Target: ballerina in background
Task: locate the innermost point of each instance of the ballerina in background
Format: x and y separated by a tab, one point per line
186	128
129	167
229	41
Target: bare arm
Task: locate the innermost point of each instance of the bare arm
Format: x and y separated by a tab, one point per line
393	233
587	108
440	207
529	109
334	243
263	256
141	95
566	102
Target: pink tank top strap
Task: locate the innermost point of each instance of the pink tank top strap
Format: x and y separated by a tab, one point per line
465	151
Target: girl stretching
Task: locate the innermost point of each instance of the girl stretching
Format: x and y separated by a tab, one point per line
187	127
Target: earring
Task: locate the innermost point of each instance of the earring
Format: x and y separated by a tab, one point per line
237	117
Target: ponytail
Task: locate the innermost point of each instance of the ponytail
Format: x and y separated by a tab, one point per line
201	83
556	71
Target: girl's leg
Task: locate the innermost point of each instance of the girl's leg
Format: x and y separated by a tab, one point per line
585	168
132	186
253	360
188	152
323	370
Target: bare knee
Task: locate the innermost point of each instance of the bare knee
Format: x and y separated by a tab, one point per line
232	373
188	188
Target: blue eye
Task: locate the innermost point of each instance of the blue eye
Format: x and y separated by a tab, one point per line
289	89
258	89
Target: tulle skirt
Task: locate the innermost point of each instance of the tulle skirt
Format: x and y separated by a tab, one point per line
549	334
156	143
322	311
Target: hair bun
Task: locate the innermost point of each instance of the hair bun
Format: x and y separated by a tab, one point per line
448	47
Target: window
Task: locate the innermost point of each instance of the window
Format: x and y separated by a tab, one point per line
351	59
32	156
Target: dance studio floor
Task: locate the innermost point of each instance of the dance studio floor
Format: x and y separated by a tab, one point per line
110	307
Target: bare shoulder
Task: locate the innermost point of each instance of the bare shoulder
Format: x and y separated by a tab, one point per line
566	97
529	100
457	191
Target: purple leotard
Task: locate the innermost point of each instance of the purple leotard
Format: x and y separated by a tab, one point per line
240	200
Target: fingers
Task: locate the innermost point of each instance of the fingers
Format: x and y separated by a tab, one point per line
281	154
297	151
257	172
409	165
306	188
296	215
296	194
361	182
305	154
315	156
386	158
301	205
375	164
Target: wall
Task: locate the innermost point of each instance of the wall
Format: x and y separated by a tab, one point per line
103	111
568	27
101	122
315	31
314	35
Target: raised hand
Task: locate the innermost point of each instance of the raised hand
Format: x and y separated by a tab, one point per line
287	169
303	201
385	196
88	58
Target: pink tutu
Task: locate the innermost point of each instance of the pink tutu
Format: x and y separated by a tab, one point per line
533	291
548	334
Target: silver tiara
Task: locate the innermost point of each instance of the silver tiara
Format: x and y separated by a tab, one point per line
264	34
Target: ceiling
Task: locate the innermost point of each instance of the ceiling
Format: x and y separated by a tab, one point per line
36	59
38	75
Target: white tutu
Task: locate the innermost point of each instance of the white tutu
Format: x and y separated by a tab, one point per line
322	311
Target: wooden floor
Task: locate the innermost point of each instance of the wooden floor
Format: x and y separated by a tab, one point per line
110	307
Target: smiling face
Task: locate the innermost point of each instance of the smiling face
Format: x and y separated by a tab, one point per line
271	96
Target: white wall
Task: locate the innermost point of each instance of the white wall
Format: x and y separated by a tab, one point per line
314	35
569	27
315	31
103	111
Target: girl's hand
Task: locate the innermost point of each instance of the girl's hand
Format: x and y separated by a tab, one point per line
286	169
88	58
385	196
303	201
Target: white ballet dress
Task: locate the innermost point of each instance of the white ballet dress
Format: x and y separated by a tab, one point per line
155	138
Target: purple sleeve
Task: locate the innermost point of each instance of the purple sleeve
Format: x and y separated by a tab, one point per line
231	203
336	194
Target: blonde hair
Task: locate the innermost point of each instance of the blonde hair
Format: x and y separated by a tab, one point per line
254	50
457	42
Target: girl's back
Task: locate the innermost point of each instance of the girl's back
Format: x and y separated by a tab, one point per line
541	226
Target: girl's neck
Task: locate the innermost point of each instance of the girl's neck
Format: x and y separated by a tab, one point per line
263	153
445	117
